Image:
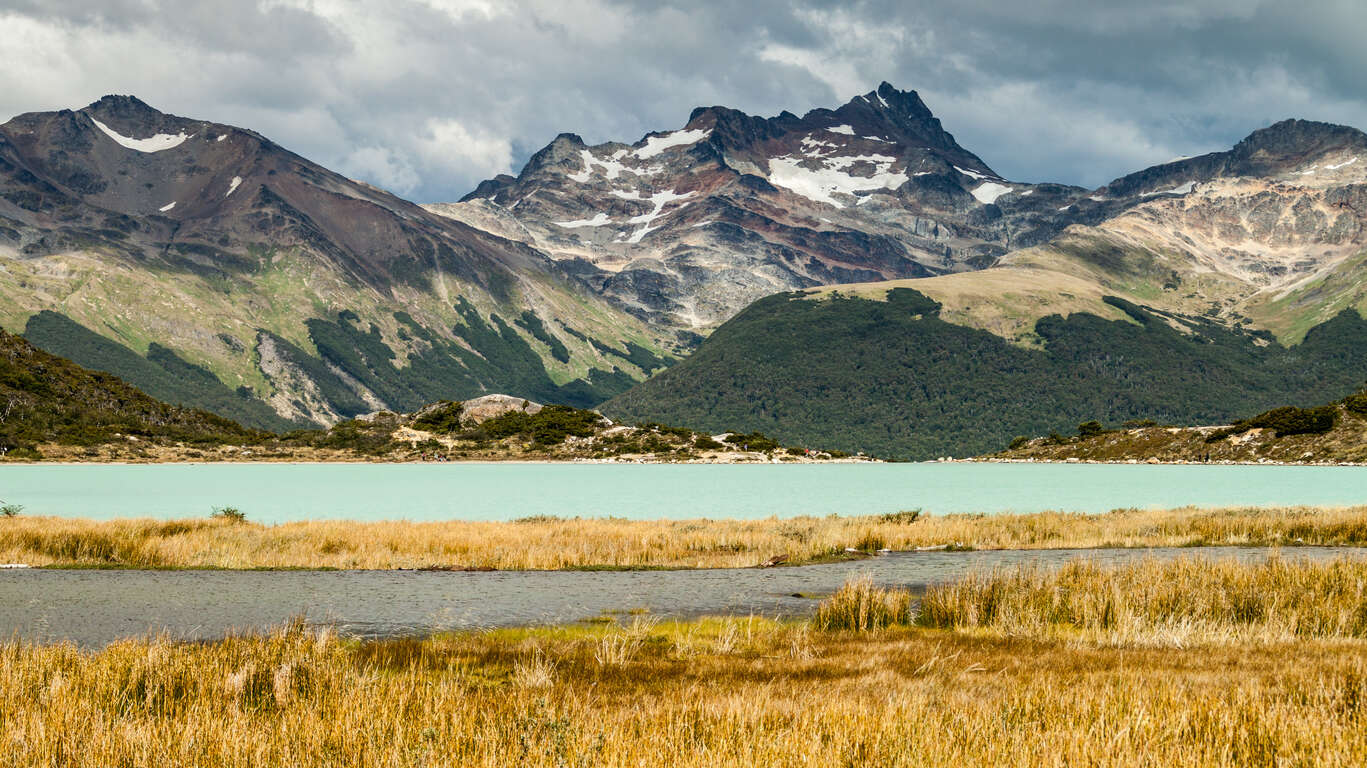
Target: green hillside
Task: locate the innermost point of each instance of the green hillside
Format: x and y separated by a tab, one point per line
891	378
45	399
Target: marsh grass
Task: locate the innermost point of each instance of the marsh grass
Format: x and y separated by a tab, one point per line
544	543
713	692
863	607
1172	603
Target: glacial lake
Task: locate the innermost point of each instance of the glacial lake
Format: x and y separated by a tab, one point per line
272	493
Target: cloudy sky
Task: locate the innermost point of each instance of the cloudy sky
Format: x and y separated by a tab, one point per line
427	97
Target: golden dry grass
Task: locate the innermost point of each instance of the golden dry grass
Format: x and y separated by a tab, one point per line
542	544
716	692
1161	603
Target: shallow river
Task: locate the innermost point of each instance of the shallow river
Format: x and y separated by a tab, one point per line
93	608
271	493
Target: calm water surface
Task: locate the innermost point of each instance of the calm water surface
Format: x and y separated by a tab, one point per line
93	608
272	493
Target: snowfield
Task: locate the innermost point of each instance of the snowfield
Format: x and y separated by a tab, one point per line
989	192
158	143
823	183
657	144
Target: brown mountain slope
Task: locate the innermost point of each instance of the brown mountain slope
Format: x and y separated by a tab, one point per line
315	296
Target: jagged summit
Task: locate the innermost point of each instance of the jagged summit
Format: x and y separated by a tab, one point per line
686	226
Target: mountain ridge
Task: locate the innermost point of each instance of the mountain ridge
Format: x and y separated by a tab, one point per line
251	263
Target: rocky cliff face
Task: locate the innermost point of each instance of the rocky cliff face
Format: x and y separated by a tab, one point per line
211	247
686	227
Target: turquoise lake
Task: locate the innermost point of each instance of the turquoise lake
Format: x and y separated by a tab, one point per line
271	493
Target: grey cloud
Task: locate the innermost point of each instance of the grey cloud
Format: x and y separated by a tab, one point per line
431	96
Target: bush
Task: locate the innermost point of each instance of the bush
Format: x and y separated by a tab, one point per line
1357	403
755	441
230	514
906	516
1139	424
1296	421
1018	442
549	426
1090	429
442	419
11	510
706	443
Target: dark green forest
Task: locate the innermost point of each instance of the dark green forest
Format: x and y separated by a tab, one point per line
497	360
161	374
44	398
892	379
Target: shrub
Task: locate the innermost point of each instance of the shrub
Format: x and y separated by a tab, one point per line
755	441
1090	429
1288	420
906	516
549	426
1356	404
230	514
1139	424
1018	442
706	443
11	510
1291	420
442	419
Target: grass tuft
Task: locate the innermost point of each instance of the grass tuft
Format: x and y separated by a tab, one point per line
862	607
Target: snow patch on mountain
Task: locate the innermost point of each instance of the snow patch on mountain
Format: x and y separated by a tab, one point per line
1340	165
657	144
988	192
658	200
157	143
831	178
972	174
1181	189
233	186
597	221
845	129
611	168
167	207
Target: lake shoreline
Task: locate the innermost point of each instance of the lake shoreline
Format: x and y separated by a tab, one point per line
544	543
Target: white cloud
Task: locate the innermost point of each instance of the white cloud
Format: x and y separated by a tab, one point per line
434	95
379	166
449	144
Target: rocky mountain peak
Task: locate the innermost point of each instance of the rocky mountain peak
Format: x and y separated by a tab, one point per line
1292	141
131	115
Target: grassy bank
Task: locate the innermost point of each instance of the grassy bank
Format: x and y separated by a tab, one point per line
735	692
549	543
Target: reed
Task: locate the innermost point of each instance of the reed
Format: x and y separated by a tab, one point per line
1177	602
716	692
551	543
863	607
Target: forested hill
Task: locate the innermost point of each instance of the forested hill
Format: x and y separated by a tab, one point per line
46	399
894	379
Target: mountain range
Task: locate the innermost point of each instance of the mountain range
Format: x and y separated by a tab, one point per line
861	281
209	266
